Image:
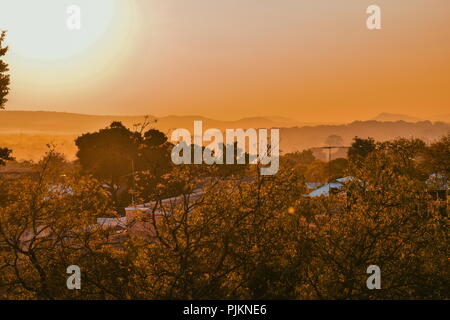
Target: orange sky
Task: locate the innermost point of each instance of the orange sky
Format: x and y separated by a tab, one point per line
227	59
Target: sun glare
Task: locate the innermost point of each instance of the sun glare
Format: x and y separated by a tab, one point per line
47	56
38	29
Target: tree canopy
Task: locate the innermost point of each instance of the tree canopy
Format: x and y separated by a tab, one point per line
5	154
257	238
361	148
4	77
115	154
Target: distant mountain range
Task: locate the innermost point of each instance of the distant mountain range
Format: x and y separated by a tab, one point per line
28	132
403	117
73	123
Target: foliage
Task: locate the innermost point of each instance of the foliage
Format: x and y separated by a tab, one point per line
4	77
338	168
114	153
242	237
44	227
304	157
5	154
360	149
437	156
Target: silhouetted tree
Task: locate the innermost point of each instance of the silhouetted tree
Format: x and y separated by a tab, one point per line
154	153
437	156
4	77
112	154
108	155
154	138
361	148
5	154
153	163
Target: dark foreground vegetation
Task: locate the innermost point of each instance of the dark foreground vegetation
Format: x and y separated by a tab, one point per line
227	233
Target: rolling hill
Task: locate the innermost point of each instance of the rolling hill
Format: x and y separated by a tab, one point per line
407	118
44	122
28	133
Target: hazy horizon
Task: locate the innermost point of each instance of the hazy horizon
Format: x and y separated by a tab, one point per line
381	116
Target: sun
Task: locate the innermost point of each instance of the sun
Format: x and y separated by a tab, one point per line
38	30
46	56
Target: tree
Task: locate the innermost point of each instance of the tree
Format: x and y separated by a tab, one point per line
257	238
108	155
437	157
304	157
4	77
317	171
46	227
361	148
407	153
112	154
5	154
154	152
